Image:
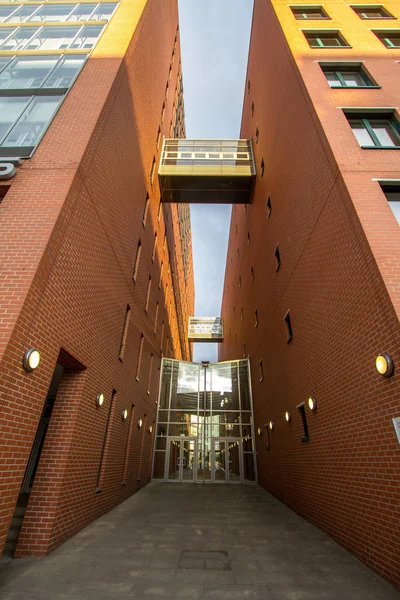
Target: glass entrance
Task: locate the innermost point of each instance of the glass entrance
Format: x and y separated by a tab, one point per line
204	430
182	454
226	461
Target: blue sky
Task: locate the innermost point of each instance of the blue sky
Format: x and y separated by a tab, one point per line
214	44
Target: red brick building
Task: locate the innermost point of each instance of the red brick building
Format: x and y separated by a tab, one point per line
312	284
95	273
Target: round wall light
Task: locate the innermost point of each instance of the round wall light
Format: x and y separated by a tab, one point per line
140	423
312	403
288	416
384	364
271	425
259	431
124	414
31	360
100	399
151	429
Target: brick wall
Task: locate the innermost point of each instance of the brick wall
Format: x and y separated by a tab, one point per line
339	248
70	226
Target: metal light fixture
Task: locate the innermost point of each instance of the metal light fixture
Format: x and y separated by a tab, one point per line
140	423
99	399
288	416
384	364
31	360
271	425
151	429
259	431
312	403
124	414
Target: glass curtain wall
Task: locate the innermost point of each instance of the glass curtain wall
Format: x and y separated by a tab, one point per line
204	427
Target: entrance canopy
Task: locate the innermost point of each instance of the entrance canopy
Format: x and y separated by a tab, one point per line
204	429
207	171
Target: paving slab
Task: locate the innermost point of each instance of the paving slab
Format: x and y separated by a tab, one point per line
194	542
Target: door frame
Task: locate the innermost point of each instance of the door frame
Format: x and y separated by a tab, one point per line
227	440
181	439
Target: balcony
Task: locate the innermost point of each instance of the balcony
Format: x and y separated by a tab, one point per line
207	171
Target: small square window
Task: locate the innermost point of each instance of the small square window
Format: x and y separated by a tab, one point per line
309	13
325	39
392	193
375	130
372	12
289	329
390	39
345	76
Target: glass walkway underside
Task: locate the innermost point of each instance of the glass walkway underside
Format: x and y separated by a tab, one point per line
204	430
207	171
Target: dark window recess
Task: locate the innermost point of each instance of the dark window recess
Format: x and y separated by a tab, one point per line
252	273
242	314
375	130
262	167
240	281
345	76
277	257
257	135
146	209
302	411
326	39
248	86
288	324
3	191
309	13
392	193
261	371
269	206
124	336
256	318
390	39
139	356
137	261
244	351
248	238
372	12
153	170
252	109
103	448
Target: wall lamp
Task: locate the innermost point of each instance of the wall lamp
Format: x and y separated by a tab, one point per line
259	431
151	429
31	360
140	423
124	414
384	365
271	425
312	403
288	416
99	400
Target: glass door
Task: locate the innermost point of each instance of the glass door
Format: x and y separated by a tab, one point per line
226	460
234	461
218	461
182	454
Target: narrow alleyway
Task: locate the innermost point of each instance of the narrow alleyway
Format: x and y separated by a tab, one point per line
190	542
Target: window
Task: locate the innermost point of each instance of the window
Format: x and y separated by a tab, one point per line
269	206
153	254
375	130
150	373
161	272
158	137
33	72
240	281
152	170
146	306
392	193
261	371
145	210
302	410
262	167
390	39
252	274
163	112
256	318
288	324
60	13
100	472
309	12
140	353
242	314
137	260
156	318
325	39
252	109
268	442
162	335
277	257
348	76
372	12
248	86
124	333
257	135
248	238
244	351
